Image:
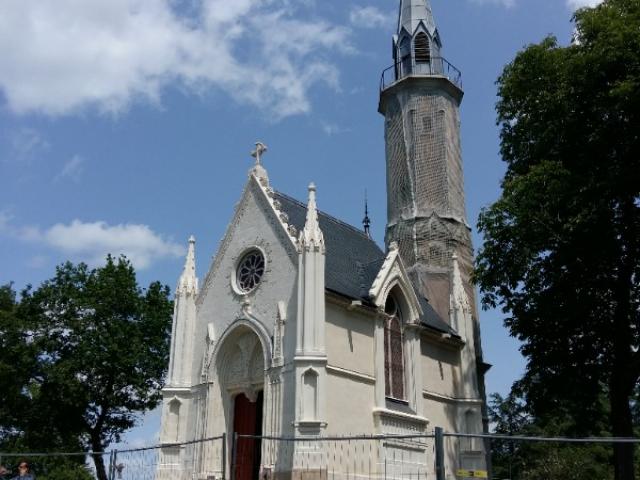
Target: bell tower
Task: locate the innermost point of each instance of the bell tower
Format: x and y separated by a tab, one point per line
420	98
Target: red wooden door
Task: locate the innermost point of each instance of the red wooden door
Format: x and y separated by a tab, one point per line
247	420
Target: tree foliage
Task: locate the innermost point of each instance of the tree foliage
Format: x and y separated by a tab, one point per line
17	365
528	460
98	351
562	244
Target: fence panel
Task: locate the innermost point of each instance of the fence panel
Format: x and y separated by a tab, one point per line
437	456
532	457
335	458
55	465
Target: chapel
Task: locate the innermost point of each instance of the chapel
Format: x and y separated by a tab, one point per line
305	327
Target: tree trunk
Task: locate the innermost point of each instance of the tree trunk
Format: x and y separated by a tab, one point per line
622	423
98	458
623	375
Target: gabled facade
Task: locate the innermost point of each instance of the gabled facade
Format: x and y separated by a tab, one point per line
305	327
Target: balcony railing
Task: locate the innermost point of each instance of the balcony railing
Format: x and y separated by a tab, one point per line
437	67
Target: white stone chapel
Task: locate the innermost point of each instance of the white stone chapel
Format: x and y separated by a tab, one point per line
304	326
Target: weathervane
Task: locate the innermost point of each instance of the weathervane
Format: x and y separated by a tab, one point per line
366	221
257	153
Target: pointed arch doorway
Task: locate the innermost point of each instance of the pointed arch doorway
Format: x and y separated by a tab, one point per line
241	370
247	420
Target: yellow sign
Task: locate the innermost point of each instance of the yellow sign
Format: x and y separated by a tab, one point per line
472	473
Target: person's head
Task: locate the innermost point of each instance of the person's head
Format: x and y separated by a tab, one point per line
23	468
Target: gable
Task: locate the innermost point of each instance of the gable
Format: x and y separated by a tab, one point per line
256	224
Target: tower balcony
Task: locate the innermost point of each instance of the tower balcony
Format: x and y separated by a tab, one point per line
436	67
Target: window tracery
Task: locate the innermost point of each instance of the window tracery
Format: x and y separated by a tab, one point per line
250	271
393	351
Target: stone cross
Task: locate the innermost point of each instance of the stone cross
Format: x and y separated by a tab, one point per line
257	153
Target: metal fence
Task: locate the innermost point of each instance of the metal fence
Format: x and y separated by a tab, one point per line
54	465
532	457
334	458
437	455
202	459
435	67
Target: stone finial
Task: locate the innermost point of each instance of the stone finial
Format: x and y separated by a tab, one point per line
312	233
188	282
258	170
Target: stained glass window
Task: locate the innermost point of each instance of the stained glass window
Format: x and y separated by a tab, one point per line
393	352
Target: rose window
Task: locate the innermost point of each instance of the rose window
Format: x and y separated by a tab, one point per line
250	271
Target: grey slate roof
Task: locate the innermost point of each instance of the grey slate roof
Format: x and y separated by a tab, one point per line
353	260
412	12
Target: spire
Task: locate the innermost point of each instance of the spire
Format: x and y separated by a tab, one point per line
188	282
312	233
412	12
366	222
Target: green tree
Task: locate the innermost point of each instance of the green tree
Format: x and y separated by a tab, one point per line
17	366
102	344
562	244
529	460
508	417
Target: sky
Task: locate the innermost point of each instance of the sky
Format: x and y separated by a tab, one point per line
127	125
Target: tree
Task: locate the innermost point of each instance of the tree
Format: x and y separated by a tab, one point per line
562	244
527	460
17	364
102	351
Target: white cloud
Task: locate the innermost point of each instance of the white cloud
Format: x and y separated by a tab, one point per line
370	17
575	4
26	144
61	56
331	129
92	241
72	169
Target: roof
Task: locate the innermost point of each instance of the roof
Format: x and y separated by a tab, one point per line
353	259
412	12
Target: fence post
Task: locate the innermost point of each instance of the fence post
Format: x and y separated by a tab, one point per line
439	440
112	464
234	455
224	455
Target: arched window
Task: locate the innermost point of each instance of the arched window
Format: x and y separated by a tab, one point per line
393	351
173	425
422	48
470	427
405	56
405	48
310	395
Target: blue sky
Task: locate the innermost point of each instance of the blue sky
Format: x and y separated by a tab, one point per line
126	125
